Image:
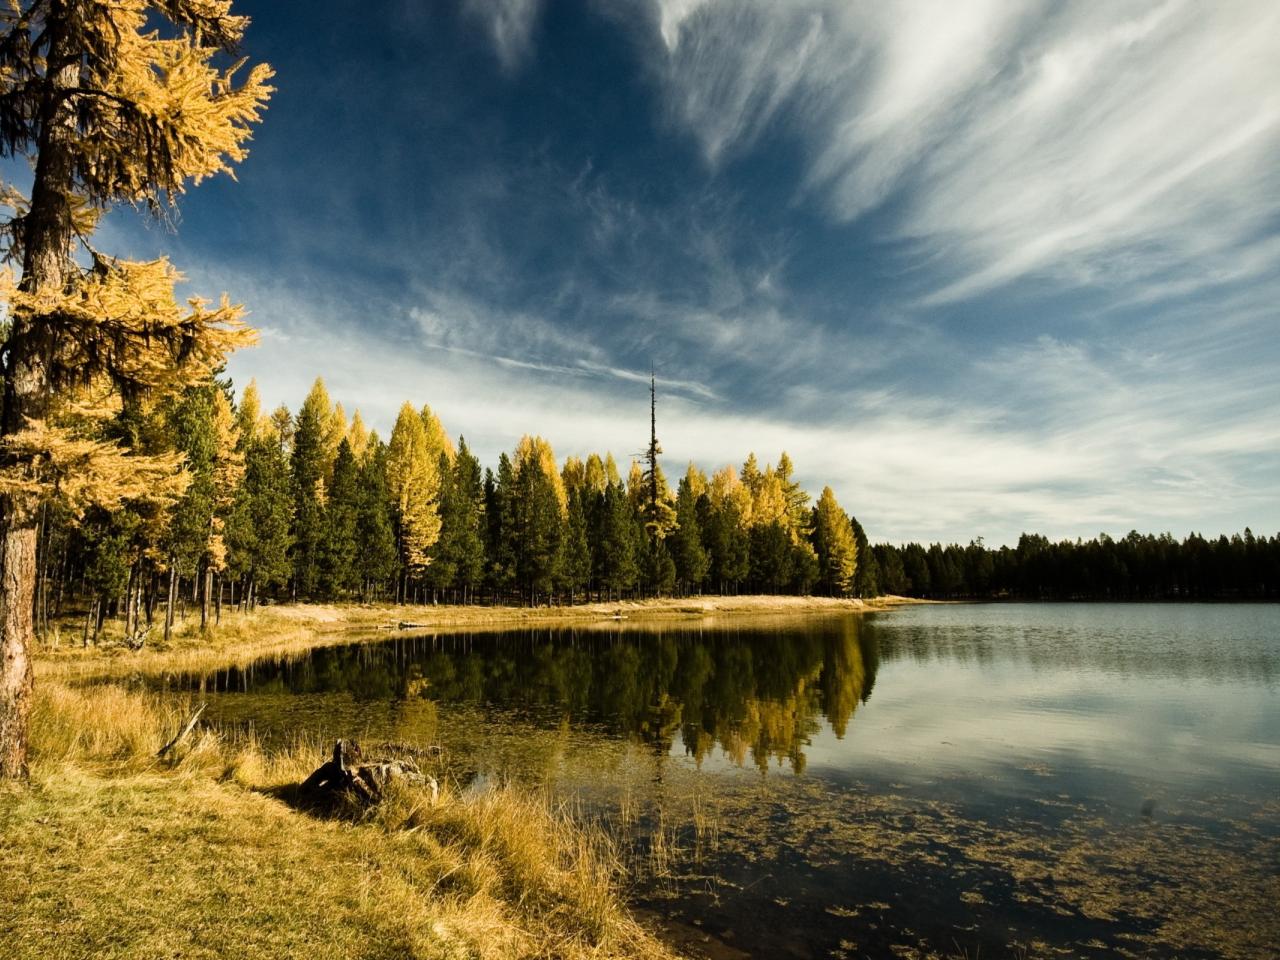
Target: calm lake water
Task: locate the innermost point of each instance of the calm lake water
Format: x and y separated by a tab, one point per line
964	780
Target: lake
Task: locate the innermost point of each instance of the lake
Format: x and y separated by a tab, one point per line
977	780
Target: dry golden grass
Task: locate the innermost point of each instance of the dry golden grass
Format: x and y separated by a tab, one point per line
110	852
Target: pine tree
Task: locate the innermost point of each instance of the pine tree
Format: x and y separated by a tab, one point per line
309	462
260	529
468	540
376	558
339	573
727	534
539	511
190	419
575	561
691	560
443	568
796	500
500	496
108	108
866	577
616	556
655	502
772	558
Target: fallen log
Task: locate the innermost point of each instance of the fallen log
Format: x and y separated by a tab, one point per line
182	734
348	773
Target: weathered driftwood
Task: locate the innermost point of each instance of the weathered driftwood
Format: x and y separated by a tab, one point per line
349	773
135	640
182	733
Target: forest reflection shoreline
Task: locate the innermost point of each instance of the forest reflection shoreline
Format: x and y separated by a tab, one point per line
757	694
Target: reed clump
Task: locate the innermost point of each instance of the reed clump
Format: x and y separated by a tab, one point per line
112	851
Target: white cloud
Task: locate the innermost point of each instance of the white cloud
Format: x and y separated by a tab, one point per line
510	26
1114	442
1093	143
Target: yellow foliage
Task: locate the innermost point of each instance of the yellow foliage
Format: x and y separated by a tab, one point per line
122	320
249	413
438	441
336	432
697	481
81	471
358	436
532	450
414	481
573	474
769	501
155	112
726	487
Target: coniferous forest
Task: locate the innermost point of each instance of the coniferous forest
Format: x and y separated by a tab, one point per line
314	506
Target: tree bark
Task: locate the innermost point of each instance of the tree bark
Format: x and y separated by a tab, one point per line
206	588
46	237
173	599
17	580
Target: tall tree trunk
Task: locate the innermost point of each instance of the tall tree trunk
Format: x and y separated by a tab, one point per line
17	579
129	625
206	588
46	237
172	601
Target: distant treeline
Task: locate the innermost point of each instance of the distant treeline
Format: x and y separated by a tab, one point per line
1135	567
313	506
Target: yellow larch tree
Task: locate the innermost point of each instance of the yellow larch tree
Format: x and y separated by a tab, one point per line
111	102
538	450
413	479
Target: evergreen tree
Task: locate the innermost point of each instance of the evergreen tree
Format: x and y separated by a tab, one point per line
866	578
688	553
795	499
727	536
443	567
376	559
538	517
772	557
575	560
191	421
260	529
309	462
893	576
616	558
340	574
467	536
500	496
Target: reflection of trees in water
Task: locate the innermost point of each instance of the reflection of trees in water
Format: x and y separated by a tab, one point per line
757	694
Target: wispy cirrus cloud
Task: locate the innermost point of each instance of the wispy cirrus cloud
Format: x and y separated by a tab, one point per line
510	25
1099	144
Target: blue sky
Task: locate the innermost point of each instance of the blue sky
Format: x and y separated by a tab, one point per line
982	267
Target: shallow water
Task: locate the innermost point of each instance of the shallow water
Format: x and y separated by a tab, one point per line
961	780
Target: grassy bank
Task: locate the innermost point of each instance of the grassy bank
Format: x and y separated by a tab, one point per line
109	852
274	631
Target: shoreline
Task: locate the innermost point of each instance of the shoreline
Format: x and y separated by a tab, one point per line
291	629
535	880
